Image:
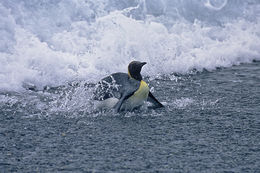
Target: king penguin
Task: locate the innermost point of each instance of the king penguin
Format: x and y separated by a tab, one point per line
123	91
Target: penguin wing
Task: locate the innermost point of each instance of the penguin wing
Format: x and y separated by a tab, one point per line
153	100
128	90
124	97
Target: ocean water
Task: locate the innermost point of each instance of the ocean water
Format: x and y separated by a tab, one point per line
203	64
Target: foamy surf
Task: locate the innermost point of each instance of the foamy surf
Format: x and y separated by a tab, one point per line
49	44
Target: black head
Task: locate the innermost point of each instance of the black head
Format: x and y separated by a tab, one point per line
134	69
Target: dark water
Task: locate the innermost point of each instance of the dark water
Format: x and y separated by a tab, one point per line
211	124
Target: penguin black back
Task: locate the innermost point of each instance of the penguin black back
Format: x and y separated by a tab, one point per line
115	85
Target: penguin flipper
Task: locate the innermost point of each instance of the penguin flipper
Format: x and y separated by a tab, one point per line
153	100
121	101
128	91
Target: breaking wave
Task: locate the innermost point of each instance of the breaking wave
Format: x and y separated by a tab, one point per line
45	42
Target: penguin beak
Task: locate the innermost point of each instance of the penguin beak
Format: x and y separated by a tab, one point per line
143	63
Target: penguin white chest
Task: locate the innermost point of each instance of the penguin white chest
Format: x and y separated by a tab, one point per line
138	98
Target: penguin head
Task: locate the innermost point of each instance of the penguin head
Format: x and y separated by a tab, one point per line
134	69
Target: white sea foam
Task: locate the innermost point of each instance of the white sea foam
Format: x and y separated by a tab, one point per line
216	4
51	42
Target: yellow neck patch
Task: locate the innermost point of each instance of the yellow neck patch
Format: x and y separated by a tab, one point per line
138	98
142	91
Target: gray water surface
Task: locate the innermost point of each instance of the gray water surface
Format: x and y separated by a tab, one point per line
211	123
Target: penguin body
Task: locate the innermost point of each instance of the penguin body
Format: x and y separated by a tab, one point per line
123	91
